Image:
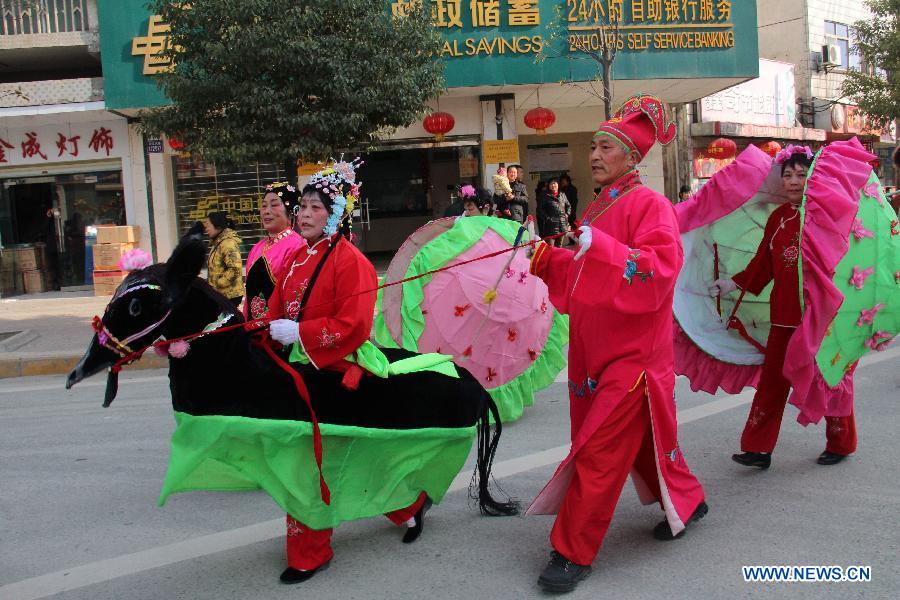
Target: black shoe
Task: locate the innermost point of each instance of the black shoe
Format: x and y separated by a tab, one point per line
291	575
561	574
663	532
830	458
753	459
413	533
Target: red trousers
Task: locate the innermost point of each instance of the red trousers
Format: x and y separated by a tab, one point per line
764	421
310	548
624	441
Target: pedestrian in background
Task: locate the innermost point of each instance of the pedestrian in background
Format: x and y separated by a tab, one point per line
539	190
683	194
554	211
518	204
571	192
225	270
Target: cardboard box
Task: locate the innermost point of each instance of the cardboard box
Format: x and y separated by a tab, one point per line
10	282
118	234
7	259
30	258
106	282
106	256
35	281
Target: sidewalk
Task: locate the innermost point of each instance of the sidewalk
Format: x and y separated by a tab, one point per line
46	334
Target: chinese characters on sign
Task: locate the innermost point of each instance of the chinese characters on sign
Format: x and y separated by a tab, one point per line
152	45
4	146
35	145
101	140
516	26
62	141
649	24
243	209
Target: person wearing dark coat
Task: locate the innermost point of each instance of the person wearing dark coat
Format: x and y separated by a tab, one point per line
553	212
518	204
571	192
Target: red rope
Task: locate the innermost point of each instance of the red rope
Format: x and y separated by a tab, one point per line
261	342
260	323
735	323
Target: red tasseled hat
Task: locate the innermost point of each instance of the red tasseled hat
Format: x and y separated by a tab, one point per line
640	123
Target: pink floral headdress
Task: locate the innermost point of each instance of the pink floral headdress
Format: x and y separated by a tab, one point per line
790	150
467	191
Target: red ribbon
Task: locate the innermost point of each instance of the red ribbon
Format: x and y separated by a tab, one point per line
261	342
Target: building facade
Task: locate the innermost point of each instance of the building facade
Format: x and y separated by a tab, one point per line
497	68
816	36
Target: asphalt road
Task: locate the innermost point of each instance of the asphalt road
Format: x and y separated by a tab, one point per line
78	514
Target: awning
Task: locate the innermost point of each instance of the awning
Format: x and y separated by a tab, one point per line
746	130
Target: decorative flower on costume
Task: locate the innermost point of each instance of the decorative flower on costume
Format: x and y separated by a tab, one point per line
860	232
287	193
868	315
338	182
879	341
135	259
791	150
467	192
858	279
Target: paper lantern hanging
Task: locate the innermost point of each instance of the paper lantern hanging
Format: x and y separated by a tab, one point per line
176	144
439	124
540	119
721	148
771	148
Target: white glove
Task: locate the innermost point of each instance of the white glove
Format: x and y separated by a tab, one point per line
722	287
583	240
284	331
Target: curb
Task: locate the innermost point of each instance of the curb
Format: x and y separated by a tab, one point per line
61	364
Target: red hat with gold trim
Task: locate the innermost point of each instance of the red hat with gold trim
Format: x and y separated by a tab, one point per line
640	123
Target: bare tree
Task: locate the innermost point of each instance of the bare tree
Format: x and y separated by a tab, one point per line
600	42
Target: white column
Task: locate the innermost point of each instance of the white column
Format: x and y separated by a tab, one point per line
164	216
490	118
134	184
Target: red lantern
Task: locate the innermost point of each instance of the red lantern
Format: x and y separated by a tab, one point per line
771	148
176	144
439	124
721	148
540	119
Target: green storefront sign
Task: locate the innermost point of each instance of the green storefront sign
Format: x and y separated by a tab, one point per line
496	42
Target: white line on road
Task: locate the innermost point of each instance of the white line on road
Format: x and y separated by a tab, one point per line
137	562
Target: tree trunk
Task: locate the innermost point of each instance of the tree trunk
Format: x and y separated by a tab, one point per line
607	84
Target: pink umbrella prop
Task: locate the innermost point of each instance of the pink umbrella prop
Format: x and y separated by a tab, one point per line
512	344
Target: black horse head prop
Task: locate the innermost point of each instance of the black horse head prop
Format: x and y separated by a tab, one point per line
137	313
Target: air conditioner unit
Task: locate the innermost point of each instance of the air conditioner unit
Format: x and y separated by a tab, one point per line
831	55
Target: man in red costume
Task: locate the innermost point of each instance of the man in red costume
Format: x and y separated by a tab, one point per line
617	290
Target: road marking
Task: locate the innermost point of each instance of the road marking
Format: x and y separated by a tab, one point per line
161	556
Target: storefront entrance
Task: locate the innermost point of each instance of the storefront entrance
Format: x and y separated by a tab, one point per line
58	214
405	188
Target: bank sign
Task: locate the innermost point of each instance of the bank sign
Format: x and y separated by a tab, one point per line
501	42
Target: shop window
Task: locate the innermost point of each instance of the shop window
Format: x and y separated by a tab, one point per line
201	188
839	34
57	213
